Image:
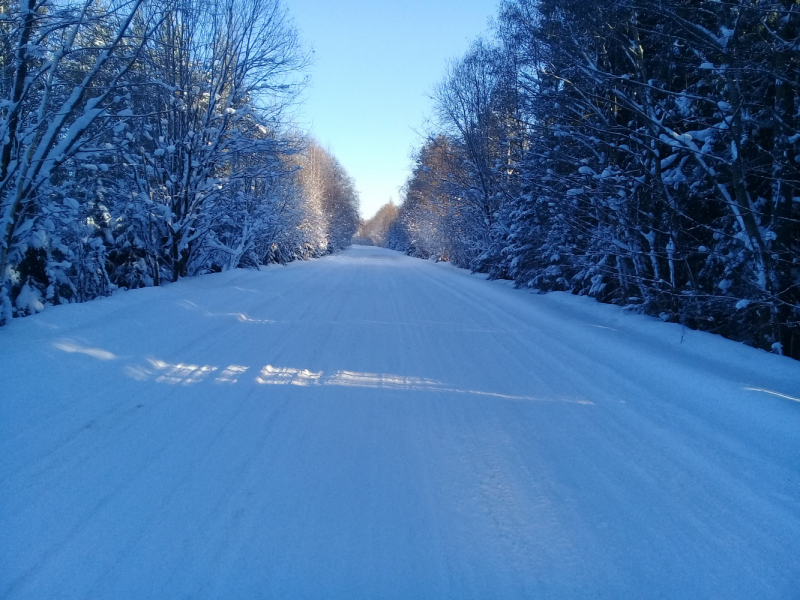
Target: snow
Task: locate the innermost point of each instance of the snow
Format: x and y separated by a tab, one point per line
29	299
377	426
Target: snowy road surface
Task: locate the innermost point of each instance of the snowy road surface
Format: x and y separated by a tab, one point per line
375	426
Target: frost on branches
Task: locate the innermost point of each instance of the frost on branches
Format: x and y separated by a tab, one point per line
644	153
146	141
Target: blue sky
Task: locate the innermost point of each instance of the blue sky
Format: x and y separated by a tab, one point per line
375	64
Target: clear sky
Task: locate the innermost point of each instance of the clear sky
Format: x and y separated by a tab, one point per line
375	63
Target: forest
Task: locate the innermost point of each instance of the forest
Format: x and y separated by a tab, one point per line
143	141
641	152
644	153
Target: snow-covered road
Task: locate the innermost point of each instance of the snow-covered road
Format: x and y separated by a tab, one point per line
370	425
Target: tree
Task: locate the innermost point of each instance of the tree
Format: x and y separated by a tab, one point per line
148	141
373	232
644	153
62	64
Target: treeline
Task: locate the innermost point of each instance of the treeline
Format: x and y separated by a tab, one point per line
143	141
373	231
641	152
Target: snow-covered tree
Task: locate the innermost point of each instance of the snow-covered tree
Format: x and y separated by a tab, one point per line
62	65
149	140
645	153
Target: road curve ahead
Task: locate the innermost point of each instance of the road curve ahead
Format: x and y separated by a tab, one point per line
370	425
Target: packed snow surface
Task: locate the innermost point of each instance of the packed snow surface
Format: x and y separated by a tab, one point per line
370	425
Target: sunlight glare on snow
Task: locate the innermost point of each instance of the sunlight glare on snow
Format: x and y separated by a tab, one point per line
72	347
241	317
351	378
231	374
282	376
566	399
164	372
171	373
181	373
752	389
